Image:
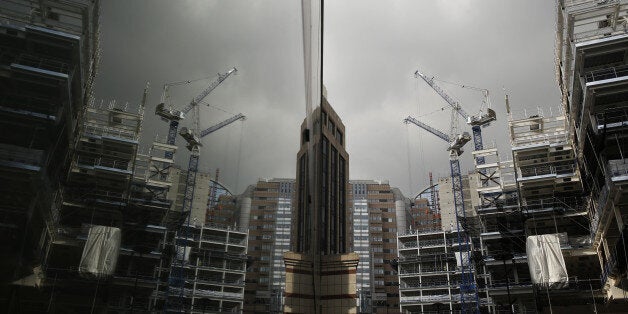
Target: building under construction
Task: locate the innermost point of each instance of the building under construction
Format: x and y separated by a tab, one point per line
592	70
430	272
84	211
209	271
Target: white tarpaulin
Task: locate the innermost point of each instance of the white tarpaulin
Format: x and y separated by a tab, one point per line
100	254
183	253
462	258
545	260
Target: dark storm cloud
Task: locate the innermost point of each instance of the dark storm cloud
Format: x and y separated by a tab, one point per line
372	49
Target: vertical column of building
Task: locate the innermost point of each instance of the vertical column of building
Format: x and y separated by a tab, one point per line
592	69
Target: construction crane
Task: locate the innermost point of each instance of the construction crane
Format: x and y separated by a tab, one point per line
193	145
469	298
476	122
169	114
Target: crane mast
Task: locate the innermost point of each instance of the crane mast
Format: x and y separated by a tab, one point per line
434	197
476	122
469	298
174	116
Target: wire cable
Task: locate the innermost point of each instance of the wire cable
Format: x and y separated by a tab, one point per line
216	107
176	83
237	179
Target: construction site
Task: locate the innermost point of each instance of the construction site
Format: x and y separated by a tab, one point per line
99	217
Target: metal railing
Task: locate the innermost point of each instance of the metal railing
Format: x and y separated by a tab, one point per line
611	118
533	171
123	165
99	130
429	284
540	139
567	204
32	157
607	73
617	167
42	63
425	270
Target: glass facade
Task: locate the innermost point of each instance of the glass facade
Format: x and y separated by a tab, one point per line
361	246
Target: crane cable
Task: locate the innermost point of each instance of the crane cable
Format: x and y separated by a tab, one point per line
418	108
410	185
216	107
485	102
177	83
237	179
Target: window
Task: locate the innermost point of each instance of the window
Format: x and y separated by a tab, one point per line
339	136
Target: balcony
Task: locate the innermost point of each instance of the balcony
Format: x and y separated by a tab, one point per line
499	287
490	260
618	170
104	164
563	205
427	270
111	133
611	119
431	285
41	65
545	172
428	298
19	157
606	74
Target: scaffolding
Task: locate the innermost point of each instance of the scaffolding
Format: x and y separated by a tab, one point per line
550	201
592	69
211	262
431	272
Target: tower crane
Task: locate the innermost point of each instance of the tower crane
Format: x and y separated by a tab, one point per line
169	114
469	299
193	140
194	144
476	122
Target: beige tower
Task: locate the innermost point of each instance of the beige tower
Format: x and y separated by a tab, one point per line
320	273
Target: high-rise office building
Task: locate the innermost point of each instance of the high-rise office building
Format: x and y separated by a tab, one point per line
320	271
269	237
375	223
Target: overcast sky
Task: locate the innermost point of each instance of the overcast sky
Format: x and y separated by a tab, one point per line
372	48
